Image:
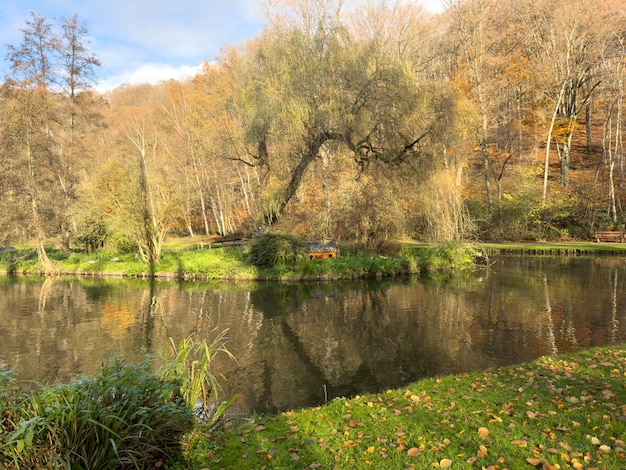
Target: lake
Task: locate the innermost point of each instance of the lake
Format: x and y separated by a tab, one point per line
302	344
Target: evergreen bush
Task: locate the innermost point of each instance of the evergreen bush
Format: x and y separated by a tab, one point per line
273	250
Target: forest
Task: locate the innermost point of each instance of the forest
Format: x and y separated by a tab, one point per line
363	121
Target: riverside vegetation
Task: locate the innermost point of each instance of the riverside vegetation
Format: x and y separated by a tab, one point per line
126	416
269	257
333	121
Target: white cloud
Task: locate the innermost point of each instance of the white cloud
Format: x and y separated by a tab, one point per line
147	41
148	73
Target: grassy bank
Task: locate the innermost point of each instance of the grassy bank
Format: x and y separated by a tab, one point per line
232	263
183	259
566	411
555	248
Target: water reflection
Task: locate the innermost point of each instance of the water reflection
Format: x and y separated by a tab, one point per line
300	344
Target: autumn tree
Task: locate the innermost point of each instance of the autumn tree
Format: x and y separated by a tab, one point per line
474	27
210	138
565	44
614	71
134	190
28	137
79	111
32	134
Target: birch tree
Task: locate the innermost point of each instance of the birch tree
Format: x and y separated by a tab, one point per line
565	44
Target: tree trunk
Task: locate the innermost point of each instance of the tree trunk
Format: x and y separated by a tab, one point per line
588	126
306	158
47	265
548	140
566	160
487	172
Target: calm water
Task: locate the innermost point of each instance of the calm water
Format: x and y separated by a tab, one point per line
300	344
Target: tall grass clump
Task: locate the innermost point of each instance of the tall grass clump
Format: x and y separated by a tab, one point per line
124	417
9	404
189	362
276	250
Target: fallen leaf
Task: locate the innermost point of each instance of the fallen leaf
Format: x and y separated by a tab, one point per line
483	433
414	451
532	461
445	463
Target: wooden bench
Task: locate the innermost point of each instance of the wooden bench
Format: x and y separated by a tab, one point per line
610	236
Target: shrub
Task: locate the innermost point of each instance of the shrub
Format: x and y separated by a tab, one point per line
276	250
447	256
124	417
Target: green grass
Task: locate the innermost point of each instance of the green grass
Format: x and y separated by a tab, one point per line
565	411
233	263
556	247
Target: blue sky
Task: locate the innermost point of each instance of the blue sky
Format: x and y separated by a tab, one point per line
143	41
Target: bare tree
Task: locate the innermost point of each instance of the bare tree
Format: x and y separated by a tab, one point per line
34	133
565	48
28	134
32	61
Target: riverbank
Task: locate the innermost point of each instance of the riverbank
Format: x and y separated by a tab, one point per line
554	248
193	261
561	411
206	262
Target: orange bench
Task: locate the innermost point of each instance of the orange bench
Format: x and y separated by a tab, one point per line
610	236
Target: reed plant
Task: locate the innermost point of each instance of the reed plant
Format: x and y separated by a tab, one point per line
126	416
190	363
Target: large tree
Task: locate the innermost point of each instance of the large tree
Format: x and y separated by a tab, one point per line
309	83
28	137
41	172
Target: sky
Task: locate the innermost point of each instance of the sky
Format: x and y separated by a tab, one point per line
144	41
